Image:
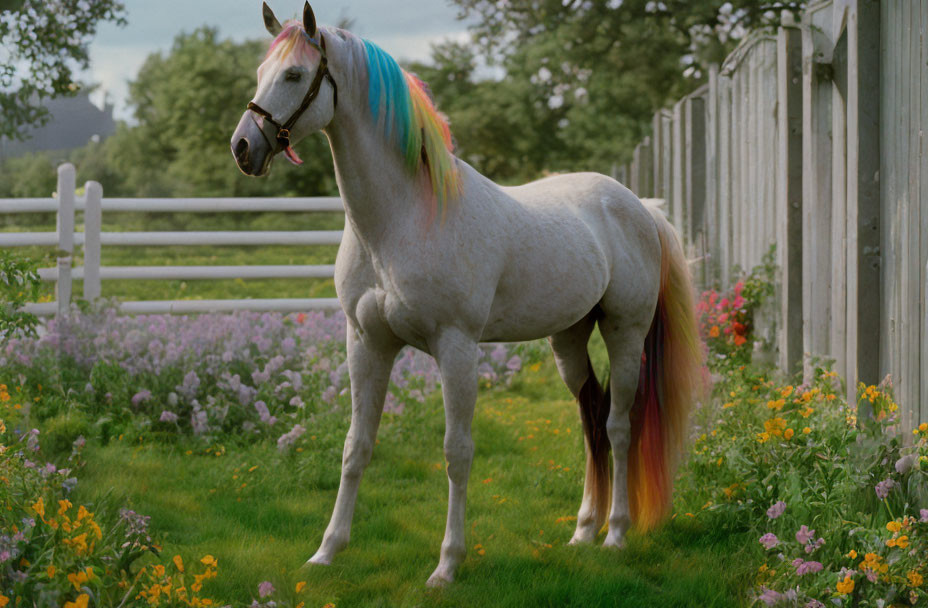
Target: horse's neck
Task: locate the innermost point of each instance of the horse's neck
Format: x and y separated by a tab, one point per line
378	192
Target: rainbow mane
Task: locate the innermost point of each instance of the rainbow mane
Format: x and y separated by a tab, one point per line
401	103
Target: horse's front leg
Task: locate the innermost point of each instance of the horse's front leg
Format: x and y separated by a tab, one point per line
370	361
457	360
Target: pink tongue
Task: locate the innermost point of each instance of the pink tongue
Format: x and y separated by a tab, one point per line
292	156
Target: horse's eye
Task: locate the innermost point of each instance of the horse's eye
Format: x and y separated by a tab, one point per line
293	76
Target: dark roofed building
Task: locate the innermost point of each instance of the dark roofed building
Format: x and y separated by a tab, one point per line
73	123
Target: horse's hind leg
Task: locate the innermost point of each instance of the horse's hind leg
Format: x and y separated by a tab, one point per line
573	363
625	342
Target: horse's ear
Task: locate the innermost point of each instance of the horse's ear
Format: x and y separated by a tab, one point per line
270	21
309	20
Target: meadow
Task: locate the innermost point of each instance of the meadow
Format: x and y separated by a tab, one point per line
194	461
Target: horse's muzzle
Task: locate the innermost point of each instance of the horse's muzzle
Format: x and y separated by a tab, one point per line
249	148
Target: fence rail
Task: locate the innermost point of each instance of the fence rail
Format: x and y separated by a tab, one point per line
813	138
93	239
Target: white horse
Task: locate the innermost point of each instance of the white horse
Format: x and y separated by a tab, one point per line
437	256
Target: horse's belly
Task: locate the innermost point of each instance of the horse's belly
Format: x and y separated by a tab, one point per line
544	292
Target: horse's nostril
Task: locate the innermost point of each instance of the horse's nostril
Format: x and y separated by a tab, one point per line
240	150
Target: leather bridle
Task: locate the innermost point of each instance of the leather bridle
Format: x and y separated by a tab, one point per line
283	130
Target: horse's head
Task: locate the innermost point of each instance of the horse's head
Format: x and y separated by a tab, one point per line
296	95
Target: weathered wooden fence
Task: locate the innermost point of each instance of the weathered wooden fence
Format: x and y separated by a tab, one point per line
812	138
93	238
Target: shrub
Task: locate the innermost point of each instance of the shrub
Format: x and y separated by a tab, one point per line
57	553
833	503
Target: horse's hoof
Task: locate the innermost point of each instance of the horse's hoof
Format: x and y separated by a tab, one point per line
582	537
319	560
614	543
439	580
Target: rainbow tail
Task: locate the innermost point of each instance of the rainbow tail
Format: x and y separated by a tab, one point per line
672	377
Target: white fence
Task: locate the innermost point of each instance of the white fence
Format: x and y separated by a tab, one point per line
92	273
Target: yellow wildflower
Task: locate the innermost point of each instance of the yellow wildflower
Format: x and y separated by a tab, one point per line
83	513
852	554
159	570
50	571
776	405
4	600
806	431
80	602
208	560
179	562
763	437
846	586
787	391
39	507
788	433
775	426
300	586
915	579
894	526
902	542
63	506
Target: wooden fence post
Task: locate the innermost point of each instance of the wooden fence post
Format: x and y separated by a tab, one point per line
863	203
789	194
712	177
678	186
92	226
66	180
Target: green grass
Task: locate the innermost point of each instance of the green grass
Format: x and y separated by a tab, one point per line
527	474
196	255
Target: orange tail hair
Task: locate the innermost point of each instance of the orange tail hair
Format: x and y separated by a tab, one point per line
672	376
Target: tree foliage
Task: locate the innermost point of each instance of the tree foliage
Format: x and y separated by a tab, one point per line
42	43
186	103
581	78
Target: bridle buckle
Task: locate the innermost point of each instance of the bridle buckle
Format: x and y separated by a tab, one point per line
283	137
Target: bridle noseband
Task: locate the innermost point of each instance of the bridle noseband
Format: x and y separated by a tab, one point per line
283	130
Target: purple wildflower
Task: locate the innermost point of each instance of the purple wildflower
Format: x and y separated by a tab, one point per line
141	397
289	438
807	567
883	488
265	589
776	509
814	604
168	416
769	596
924	516
804	535
769	540
813	546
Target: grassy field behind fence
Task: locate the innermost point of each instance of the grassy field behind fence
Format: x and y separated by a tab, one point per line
195	255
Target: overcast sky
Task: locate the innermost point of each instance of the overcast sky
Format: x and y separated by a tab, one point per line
404	29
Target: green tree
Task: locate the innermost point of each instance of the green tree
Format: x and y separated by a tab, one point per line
41	43
187	103
581	78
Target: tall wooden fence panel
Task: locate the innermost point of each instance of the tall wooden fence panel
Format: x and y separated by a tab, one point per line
904	192
812	138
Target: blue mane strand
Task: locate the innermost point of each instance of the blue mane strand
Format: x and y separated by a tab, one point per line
388	91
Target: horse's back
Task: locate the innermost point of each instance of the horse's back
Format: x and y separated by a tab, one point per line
573	234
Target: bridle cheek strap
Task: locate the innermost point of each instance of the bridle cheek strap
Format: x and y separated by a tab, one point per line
283	130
